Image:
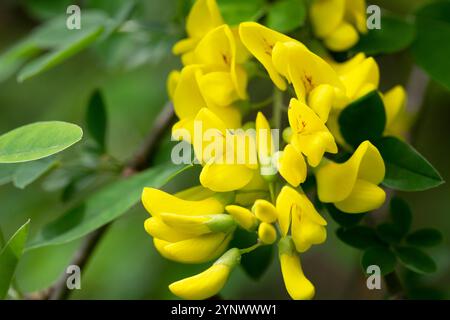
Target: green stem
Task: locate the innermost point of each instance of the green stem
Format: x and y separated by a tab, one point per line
394	286
272	192
250	249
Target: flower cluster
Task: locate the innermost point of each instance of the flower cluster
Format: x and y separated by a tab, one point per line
262	192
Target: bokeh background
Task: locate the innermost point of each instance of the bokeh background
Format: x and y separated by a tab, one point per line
131	74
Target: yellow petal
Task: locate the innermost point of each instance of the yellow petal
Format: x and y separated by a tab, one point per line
349	65
394	104
260	41
305	233
284	205
365	75
217	88
364	197
172	82
157	202
321	100
265	211
263	138
326	15
310	135
336	181
292	166
217	176
195	193
198	225
184	45
356	12
267	233
243	216
209	282
158	229
204	16
197	250
297	285
342	38
216	48
187	97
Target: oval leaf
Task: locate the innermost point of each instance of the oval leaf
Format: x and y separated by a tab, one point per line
355	124
401	215
38	140
342	218
416	260
236	11
29	172
430	51
379	256
10	256
96	119
103	207
395	35
389	233
406	169
424	238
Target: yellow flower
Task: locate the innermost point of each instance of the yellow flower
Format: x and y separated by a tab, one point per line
200	224
260	41
338	22
267	233
353	186
227	81
198	249
209	282
297	212
310	136
310	75
203	17
297	285
243	216
188	99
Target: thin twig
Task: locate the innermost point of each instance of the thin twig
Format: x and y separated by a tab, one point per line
140	161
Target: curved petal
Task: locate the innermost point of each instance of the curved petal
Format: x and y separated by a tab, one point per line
364	197
225	177
366	73
342	38
326	15
158	229
204	16
292	166
306	233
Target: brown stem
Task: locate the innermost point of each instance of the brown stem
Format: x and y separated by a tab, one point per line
140	162
394	286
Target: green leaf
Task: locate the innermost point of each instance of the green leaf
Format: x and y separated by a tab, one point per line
389	233
395	35
382	257
356	126
286	15
54	58
426	237
9	257
96	119
46	9
360	237
430	50
7	173
15	57
406	169
342	218
103	206
38	140
29	172
401	215
416	260
237	11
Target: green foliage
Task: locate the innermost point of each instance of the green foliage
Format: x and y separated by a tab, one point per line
356	126
430	49
389	233
401	215
380	256
395	35
415	260
103	207
286	15
406	169
236	11
9	257
29	172
96	118
424	238
360	237
342	218
38	140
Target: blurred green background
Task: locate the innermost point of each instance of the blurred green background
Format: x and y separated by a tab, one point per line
125	264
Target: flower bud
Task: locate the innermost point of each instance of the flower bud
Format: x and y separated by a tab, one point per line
244	217
267	233
265	211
